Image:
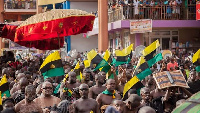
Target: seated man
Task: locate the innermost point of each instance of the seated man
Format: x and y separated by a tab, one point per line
28	105
107	96
85	104
46	100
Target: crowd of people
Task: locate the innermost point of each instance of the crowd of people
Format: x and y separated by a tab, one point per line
95	93
154	9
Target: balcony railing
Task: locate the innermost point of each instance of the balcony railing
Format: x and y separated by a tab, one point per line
165	12
16	4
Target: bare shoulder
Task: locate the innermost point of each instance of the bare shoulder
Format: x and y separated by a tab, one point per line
93	101
56	98
37	99
99	96
18	105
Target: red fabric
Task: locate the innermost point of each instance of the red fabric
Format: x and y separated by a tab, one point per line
48	44
50	29
198	11
8	32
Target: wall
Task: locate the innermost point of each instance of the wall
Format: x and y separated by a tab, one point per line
84	44
191	35
78	42
86	6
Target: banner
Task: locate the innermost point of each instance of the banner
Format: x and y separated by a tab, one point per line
140	26
170	78
198	11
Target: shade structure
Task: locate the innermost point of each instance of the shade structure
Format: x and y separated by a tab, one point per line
9	30
53	24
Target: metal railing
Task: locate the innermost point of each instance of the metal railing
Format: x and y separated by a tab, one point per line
15	4
163	12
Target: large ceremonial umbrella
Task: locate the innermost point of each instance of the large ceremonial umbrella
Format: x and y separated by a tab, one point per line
54	24
9	30
192	105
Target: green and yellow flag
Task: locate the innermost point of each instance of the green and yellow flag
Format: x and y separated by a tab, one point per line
96	59
142	69
52	66
123	56
0	99
134	83
77	69
196	60
152	53
4	87
107	57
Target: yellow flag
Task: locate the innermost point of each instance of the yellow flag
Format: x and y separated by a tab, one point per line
106	55
86	63
77	66
196	56
151	48
3	80
81	76
125	51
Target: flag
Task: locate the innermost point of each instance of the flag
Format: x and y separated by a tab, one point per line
96	59
123	56
142	69
198	11
77	69
152	53
196	60
107	58
4	87
86	63
52	66
134	83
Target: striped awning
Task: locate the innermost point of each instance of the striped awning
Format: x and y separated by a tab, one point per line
192	105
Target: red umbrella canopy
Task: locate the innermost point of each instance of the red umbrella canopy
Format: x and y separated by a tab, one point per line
9	30
53	24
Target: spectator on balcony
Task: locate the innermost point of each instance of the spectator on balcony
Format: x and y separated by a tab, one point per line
179	3
136	11
168	4
141	9
174	5
152	10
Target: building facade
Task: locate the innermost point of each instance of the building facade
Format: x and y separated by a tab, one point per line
173	24
15	10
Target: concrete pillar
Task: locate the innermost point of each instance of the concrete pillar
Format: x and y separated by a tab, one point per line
1	20
103	25
39	8
1	9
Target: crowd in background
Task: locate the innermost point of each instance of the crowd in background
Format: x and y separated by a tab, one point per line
31	93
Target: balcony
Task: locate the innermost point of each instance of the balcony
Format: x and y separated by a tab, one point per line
20	6
163	12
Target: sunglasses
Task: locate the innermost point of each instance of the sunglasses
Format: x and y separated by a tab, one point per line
48	88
